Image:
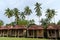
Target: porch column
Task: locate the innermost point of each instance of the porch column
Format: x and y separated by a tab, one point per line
23	33
18	33
1	32
27	34
7	33
59	33
15	33
10	32
37	33
55	34
51	34
43	33
48	33
33	33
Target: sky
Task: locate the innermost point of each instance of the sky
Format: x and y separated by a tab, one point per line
21	4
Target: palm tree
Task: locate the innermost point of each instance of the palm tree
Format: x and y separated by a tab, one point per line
8	12
1	22
38	10
54	13
50	14
22	15
16	13
27	11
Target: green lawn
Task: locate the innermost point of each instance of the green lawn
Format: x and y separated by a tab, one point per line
12	38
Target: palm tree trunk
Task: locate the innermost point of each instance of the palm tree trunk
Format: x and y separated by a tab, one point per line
39	20
54	20
17	18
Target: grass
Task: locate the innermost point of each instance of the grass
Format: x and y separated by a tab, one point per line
13	38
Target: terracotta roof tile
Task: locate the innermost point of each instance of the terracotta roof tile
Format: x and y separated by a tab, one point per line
35	27
52	27
13	27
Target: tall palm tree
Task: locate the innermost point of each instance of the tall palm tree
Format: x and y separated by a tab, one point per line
50	14
38	10
8	12
22	15
27	11
54	13
16	13
1	22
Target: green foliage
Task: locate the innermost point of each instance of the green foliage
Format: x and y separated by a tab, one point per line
27	10
16	13
50	14
7	24
11	24
38	9
31	21
1	22
58	23
44	22
8	12
53	23
23	22
22	16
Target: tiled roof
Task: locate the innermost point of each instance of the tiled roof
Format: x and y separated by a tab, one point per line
13	27
52	27
18	27
35	27
3	28
58	26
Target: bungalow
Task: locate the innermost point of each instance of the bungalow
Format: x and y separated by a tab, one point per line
35	31
3	31
58	32
17	31
52	31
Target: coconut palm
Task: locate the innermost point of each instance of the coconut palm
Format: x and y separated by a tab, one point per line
22	15
8	12
16	13
38	10
27	11
50	14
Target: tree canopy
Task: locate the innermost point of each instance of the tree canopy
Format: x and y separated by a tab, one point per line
20	16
